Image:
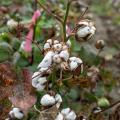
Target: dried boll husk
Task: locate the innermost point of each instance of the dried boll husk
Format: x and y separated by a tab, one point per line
85	30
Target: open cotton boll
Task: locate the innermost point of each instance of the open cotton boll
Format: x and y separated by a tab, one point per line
47	46
73	65
35	80
78	60
49	41
64	54
45	70
42	80
59	117
57	47
56	58
58	99
65	111
71	116
72	58
56	42
47	100
47	60
82	32
16	113
40	87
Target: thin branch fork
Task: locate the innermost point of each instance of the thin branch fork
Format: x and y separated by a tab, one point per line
49	12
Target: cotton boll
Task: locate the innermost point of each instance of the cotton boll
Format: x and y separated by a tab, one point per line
85	31
47	100
47	46
56	58
78	60
57	47
82	32
42	80
58	99
72	58
65	111
71	116
45	71
73	65
64	54
49	41
56	42
35	80
47	60
60	117
18	115
40	87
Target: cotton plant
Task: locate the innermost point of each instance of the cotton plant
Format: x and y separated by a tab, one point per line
56	56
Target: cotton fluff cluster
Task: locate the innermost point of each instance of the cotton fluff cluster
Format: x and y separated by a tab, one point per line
16	113
39	79
85	31
12	23
49	100
66	114
57	54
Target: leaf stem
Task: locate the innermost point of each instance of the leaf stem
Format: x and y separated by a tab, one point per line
65	20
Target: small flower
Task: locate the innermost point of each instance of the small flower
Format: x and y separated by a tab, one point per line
85	30
16	113
47	100
64	55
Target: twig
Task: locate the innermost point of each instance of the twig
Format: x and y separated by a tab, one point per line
81	16
109	107
49	12
38	46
